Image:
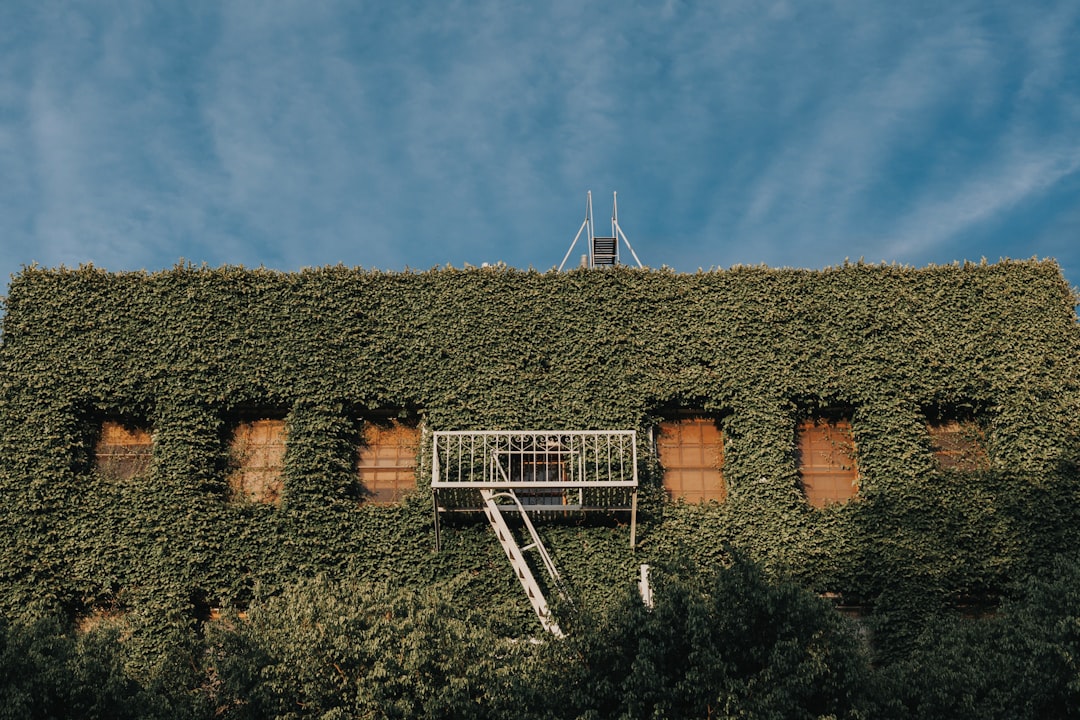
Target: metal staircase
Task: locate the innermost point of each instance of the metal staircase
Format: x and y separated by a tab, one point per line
516	555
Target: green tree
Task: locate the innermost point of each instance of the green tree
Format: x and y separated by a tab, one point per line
1023	662
50	671
350	649
723	643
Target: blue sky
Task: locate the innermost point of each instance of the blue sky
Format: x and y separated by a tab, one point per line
394	134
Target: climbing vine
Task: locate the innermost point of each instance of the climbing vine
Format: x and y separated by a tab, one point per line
188	351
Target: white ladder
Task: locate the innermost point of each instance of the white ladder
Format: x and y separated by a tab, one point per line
516	555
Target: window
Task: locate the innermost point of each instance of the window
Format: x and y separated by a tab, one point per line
387	459
99	617
539	459
258	459
826	460
958	445
122	450
691	450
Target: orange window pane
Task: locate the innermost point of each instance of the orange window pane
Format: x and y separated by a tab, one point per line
959	445
691	451
258	457
122	452
387	460
827	461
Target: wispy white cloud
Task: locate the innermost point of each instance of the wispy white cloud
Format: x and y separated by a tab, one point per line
391	134
816	185
1014	179
96	134
908	140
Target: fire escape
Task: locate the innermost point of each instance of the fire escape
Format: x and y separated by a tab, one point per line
518	477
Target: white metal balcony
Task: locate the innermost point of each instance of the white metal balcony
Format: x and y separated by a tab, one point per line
549	471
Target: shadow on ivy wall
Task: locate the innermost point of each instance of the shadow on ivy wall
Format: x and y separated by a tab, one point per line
951	543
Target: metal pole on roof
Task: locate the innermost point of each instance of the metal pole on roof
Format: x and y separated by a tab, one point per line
586	223
615	223
592	230
617	231
614	212
589	228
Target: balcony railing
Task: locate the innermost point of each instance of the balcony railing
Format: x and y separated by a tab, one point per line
549	471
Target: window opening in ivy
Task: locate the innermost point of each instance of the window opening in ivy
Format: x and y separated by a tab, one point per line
99	617
387	459
258	459
123	450
826	460
958	445
691	451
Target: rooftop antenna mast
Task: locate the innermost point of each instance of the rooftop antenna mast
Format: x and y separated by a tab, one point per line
603	251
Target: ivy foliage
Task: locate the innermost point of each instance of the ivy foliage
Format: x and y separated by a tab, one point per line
191	351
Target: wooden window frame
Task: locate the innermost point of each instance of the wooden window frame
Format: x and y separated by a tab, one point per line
701	456
257	449
826	459
123	449
958	443
387	457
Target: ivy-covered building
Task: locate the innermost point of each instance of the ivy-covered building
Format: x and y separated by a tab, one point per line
179	441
